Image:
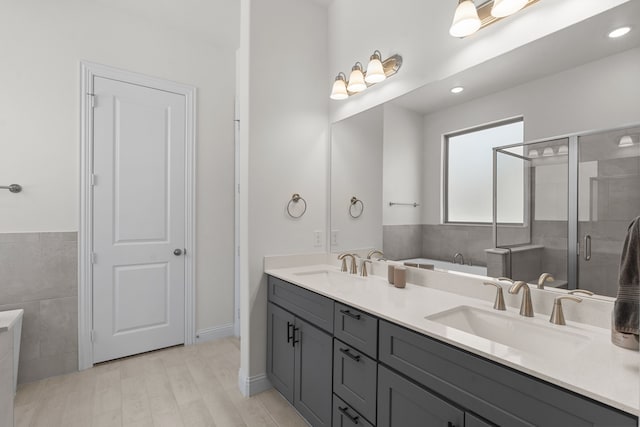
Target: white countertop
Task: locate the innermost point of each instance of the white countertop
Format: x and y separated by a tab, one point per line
9	318
600	370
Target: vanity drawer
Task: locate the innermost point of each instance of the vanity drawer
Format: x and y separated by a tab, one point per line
355	378
305	304
345	416
356	328
494	392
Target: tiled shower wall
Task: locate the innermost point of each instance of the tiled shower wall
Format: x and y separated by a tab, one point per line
38	273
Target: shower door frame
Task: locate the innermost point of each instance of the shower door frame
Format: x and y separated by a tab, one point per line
573	241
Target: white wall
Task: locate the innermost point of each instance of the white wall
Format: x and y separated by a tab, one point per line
598	95
419	31
402	165
284	143
356	170
43	44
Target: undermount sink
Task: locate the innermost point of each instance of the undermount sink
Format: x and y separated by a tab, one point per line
530	336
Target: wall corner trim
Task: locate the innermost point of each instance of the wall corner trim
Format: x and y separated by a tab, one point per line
250	386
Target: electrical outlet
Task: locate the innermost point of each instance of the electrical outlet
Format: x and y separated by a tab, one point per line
334	237
317	238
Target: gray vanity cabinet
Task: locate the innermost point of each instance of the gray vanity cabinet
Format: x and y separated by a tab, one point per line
354	379
402	403
299	354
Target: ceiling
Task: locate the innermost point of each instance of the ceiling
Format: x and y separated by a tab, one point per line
573	46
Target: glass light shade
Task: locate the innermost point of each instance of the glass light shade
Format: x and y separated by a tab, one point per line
563	150
502	8
548	151
625	141
339	90
533	153
356	80
375	70
465	20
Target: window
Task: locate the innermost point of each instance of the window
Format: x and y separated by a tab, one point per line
469	175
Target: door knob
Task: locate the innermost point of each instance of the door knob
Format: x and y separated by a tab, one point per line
177	252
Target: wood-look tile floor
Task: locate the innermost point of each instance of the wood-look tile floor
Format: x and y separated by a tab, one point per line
178	387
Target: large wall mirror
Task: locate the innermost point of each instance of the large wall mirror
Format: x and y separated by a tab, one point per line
395	158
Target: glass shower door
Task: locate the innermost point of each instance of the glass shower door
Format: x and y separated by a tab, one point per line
608	200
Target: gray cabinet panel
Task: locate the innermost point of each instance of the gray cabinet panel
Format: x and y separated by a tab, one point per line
495	392
402	403
280	352
305	304
354	379
345	416
356	328
471	420
312	391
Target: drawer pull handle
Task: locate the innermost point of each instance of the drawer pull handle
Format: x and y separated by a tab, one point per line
289	331
295	341
348	415
347	353
350	314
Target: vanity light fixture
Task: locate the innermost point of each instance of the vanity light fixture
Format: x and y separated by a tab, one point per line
457	89
469	18
377	71
533	153
563	150
619	32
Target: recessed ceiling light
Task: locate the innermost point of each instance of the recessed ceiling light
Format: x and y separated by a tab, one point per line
457	89
619	32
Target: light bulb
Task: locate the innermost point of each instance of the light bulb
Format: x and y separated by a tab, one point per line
339	90
548	151
533	153
563	150
502	8
356	79
457	89
465	20
375	70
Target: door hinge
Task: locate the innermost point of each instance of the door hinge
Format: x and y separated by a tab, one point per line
93	335
93	258
238	250
238	188
92	99
94	179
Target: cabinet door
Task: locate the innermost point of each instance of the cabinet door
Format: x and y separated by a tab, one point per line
401	403
280	351
345	416
313	361
355	378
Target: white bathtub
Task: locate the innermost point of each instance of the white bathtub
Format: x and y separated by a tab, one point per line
449	266
10	331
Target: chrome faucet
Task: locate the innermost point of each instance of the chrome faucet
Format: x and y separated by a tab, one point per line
557	316
544	277
374	252
526	307
455	257
354	266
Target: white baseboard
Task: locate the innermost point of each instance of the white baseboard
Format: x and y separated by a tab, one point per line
253	385
214	333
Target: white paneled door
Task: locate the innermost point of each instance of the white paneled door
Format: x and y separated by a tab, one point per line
138	219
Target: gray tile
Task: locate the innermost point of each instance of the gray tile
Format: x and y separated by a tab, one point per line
18	237
37	369
30	337
402	241
58	326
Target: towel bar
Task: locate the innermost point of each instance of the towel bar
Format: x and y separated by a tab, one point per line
14	188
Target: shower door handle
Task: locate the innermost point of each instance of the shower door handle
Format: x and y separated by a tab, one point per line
587	247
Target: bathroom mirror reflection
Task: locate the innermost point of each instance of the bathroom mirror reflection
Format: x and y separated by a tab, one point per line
393	158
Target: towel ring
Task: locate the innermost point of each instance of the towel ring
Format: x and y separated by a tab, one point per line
356	207
297	206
